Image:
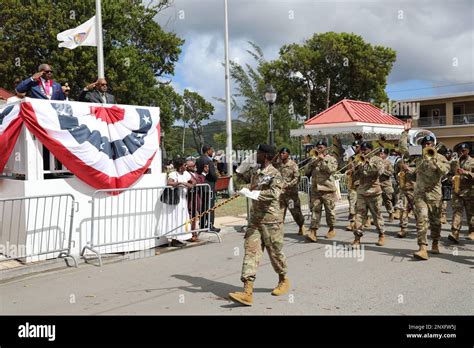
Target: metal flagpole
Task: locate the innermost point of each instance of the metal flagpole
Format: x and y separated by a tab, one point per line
98	33
227	102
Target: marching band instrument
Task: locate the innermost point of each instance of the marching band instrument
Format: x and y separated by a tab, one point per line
457	183
429	152
402	179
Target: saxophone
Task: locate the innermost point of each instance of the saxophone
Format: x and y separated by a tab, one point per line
457	183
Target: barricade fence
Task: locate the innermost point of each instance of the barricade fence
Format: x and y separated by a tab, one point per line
37	227
131	219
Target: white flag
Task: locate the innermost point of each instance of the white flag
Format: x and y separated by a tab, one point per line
83	35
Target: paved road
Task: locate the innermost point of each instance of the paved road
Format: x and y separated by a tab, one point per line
197	280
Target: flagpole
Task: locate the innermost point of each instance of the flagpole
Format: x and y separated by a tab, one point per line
227	102
98	33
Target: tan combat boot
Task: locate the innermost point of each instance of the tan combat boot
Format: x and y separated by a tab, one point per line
301	231
443	219
356	242
470	236
311	236
331	233
381	241
422	253
283	286
454	236
390	217
245	297
368	222
435	247
402	234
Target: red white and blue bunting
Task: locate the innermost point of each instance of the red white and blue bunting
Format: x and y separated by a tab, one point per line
106	146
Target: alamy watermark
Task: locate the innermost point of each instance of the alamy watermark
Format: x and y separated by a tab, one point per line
402	109
344	251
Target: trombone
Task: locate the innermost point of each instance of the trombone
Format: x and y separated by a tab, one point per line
360	159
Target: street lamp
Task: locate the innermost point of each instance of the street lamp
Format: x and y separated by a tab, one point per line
270	97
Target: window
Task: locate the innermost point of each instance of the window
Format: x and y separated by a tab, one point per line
458	109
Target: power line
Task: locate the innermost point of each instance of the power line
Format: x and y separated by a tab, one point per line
417	89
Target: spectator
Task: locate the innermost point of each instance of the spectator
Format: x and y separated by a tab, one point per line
194	199
41	85
211	178
96	92
66	91
175	216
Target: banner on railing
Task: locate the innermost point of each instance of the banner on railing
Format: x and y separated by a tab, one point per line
106	146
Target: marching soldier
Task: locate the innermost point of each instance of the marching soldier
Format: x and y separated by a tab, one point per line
406	172
463	194
369	194
265	225
446	189
427	196
352	188
289	198
323	191
386	183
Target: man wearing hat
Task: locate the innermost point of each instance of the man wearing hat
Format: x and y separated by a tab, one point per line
386	183
289	198
352	187
406	168
323	191
369	194
465	196
265	225
427	195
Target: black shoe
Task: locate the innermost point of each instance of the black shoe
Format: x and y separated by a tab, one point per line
215	229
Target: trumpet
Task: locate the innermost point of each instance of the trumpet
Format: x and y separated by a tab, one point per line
429	152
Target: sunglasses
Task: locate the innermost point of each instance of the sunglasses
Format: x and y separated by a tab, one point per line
48	71
103	84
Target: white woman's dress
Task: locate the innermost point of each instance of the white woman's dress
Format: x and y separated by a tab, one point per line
173	216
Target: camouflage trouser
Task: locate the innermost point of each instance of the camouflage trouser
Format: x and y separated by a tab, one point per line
408	199
366	204
458	204
444	208
258	237
387	197
427	212
352	197
292	202
318	199
396	194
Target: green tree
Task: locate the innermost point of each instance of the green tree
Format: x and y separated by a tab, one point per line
196	110
251	106
139	55
356	69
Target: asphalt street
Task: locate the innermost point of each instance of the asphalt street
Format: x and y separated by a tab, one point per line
324	280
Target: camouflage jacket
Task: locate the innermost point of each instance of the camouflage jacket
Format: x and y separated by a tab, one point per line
467	179
428	172
386	177
290	175
322	174
265	210
368	176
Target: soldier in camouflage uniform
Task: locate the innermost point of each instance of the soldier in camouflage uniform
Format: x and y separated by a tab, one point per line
265	226
369	194
289	198
386	183
405	168
323	191
465	197
429	172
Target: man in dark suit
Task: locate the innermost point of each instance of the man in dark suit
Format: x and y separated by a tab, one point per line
211	178
97	93
41	85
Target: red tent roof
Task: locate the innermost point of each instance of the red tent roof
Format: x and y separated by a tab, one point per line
353	111
4	94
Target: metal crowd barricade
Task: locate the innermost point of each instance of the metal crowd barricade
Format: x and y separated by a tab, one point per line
37	227
132	219
342	178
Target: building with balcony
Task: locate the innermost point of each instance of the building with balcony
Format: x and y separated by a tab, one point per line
449	117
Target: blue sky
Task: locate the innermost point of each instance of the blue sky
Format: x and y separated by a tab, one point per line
434	39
